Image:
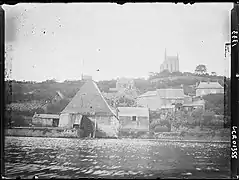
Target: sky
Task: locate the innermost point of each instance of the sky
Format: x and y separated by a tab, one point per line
107	40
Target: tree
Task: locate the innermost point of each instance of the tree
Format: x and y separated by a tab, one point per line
213	73
197	115
125	101
201	69
177	73
215	103
207	117
165	73
58	107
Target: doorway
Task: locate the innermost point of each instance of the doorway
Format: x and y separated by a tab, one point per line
87	126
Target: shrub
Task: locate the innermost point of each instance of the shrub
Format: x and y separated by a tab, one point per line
161	129
208	117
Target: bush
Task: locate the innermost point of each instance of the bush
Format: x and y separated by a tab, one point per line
58	107
183	133
208	117
161	129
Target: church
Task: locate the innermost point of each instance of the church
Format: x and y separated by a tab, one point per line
171	63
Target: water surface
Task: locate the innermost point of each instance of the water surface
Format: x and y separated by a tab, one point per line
114	158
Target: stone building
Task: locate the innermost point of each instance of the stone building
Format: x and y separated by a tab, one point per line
133	118
89	111
161	98
123	84
171	63
204	88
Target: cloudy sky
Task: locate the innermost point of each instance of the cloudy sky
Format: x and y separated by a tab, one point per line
62	41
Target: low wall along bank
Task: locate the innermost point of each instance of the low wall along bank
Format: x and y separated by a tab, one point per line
43	132
54	132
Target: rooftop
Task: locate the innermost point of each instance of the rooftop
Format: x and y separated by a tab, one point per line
166	93
89	100
209	85
47	116
171	93
149	93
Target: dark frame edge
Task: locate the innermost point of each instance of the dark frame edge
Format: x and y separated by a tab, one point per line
234	88
2	99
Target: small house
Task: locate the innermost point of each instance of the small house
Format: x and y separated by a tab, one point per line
89	111
205	88
156	100
133	118
45	120
196	102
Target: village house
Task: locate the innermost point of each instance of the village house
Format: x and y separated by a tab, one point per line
204	88
133	118
195	103
45	120
123	84
161	98
89	111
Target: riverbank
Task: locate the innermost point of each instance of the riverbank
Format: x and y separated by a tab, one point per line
191	135
222	135
48	132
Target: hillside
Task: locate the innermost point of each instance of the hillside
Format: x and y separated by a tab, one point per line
17	92
25	98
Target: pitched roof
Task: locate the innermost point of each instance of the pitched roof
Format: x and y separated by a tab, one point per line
168	107
47	116
149	93
133	111
171	93
209	85
89	100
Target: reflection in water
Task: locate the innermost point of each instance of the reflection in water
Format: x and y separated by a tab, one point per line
74	158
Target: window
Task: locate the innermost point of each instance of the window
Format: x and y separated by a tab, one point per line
133	118
76	126
55	122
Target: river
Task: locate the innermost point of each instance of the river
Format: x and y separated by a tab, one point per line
114	158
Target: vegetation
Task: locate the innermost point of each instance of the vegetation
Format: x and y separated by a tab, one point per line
201	69
24	98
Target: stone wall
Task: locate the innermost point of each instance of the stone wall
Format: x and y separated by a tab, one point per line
108	126
43	132
54	132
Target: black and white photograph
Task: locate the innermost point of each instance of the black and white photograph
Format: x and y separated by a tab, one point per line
130	91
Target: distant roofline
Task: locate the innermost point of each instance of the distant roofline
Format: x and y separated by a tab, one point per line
132	108
209	87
